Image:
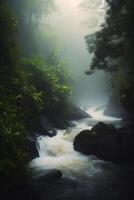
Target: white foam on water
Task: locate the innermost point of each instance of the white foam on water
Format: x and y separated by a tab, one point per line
58	152
99	116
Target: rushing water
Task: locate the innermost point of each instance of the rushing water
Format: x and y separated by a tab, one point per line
98	115
84	177
58	152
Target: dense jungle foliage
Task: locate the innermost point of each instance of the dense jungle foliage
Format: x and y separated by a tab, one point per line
113	49
32	80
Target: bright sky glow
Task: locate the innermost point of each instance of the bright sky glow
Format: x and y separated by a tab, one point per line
71	23
70	13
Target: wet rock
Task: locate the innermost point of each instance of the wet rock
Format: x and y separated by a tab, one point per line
31	147
107	143
77	113
42	126
100	141
59	123
102	128
86	142
49	175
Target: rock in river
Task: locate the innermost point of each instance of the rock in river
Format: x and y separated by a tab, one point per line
42	126
102	129
107	143
86	142
49	175
100	141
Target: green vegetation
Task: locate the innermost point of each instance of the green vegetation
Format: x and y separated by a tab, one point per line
31	82
33	34
113	49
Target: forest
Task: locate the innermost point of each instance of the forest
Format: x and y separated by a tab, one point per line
113	49
36	89
33	80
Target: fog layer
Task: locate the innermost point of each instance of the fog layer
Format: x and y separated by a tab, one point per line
71	23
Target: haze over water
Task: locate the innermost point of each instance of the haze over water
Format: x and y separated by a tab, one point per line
71	23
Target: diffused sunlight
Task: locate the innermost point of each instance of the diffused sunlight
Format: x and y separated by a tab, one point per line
99	116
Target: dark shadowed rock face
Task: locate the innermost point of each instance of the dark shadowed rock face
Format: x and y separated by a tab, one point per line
107	140
42	126
49	175
86	142
39	126
61	123
125	143
77	113
31	147
102	145
65	120
115	108
102	128
107	143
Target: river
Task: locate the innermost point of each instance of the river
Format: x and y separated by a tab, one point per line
84	177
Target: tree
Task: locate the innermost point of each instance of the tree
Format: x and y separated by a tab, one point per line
114	47
30	11
29	86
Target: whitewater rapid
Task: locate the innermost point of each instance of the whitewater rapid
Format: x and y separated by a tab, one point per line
58	152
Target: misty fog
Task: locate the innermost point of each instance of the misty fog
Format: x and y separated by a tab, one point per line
72	21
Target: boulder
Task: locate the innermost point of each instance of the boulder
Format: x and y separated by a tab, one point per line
63	122
107	143
42	126
86	142
49	175
102	128
77	113
58	123
100	141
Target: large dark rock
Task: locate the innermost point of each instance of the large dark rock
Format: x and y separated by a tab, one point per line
86	142
63	122
107	143
59	123
42	126
77	113
102	128
49	175
47	123
100	144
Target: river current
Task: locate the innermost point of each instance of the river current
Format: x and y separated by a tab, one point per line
84	177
